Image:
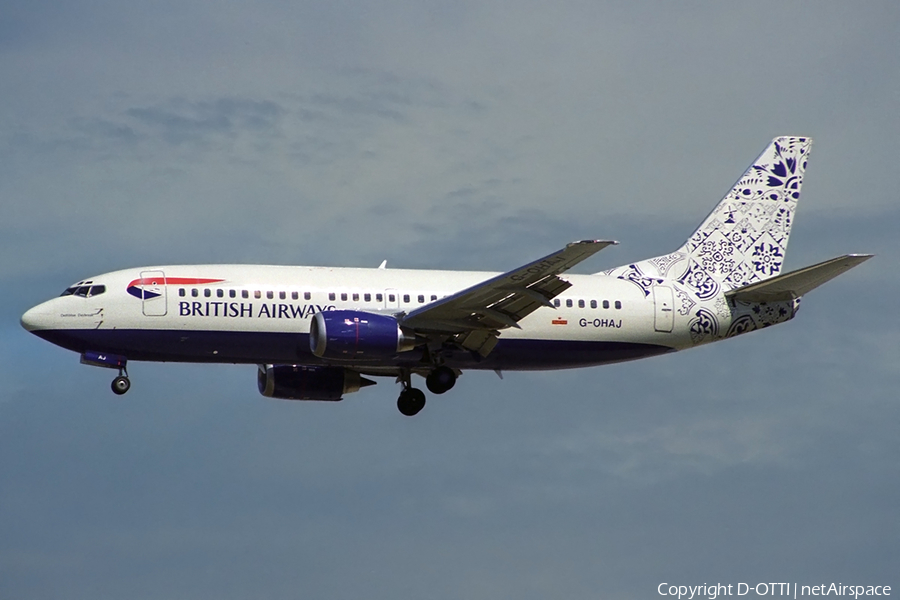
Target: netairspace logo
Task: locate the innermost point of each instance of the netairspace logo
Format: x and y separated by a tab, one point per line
794	590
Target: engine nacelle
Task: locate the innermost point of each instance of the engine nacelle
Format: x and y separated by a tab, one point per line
356	335
299	382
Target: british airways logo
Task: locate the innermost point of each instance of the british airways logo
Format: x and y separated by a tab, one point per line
250	310
143	289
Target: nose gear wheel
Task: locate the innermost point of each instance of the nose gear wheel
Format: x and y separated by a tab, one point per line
121	384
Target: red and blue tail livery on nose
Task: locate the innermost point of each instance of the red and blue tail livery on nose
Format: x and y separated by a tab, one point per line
139	287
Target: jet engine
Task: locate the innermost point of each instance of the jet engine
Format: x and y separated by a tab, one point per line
356	335
299	382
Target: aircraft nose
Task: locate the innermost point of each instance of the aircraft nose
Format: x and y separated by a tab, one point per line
35	318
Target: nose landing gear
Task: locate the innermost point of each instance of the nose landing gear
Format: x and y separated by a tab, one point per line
121	384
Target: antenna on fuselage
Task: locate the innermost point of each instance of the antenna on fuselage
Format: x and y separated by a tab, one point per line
383	264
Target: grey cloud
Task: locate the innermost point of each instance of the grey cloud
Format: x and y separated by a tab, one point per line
353	106
107	130
179	121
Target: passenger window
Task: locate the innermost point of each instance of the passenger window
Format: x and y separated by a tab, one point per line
593	304
581	304
307	295
606	304
379	298
569	303
331	296
421	299
257	294
282	295
433	297
181	292
343	297
270	295
406	298
232	293
556	302
392	298
618	304
356	297
207	292
295	295
195	292
367	297
245	293
220	293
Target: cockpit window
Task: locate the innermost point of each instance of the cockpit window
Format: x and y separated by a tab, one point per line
84	291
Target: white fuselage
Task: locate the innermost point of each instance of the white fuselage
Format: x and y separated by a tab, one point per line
261	314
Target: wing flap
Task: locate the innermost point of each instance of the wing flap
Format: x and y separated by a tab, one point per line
481	342
797	283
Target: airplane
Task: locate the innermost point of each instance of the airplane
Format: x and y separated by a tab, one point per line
318	333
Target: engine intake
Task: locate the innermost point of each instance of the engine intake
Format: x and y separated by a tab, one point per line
356	335
299	382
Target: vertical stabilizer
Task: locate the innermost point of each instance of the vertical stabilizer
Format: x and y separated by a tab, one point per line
745	237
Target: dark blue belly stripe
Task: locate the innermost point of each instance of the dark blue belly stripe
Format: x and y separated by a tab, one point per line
293	348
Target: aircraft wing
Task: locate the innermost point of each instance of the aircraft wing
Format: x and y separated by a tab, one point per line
796	283
474	316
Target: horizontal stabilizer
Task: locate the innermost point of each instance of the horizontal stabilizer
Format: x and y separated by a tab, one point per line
796	283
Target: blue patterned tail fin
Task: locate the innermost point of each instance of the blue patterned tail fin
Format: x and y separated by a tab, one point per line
745	237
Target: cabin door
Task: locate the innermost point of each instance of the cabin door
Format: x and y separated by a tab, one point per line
153	293
664	302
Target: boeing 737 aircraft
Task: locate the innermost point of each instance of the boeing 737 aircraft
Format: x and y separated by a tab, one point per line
318	333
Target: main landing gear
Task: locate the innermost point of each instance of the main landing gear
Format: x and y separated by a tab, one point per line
412	400
121	384
440	380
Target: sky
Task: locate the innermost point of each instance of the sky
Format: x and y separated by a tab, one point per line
469	135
